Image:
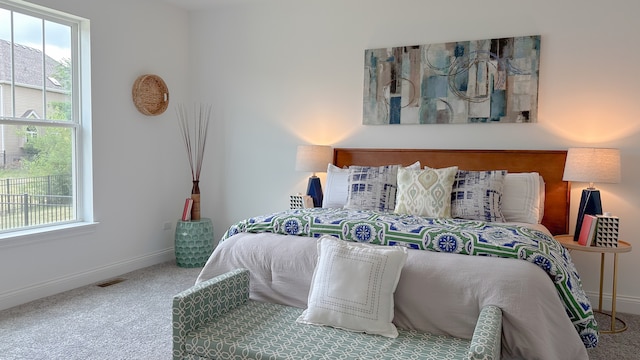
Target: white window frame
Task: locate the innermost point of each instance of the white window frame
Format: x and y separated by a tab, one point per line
80	124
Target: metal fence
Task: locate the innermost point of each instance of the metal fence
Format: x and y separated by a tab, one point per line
35	201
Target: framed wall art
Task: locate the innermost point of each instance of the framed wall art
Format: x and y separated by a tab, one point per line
475	81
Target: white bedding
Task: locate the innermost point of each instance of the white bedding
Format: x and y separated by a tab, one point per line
438	293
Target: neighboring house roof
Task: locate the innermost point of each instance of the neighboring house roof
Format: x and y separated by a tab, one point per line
28	65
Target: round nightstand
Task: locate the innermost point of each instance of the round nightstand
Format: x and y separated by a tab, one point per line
193	242
623	246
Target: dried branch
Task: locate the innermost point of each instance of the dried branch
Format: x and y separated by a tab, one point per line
194	137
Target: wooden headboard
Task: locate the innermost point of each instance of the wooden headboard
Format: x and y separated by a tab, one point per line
548	163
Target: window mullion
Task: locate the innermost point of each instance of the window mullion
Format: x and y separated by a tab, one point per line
13	70
76	78
44	72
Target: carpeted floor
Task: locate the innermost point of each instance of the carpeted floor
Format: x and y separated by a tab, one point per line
620	346
132	320
127	320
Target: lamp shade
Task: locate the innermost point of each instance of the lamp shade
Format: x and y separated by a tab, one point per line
313	158
592	165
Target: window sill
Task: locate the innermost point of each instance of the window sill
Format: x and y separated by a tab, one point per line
49	233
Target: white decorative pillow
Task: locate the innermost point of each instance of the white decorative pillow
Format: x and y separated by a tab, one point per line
335	195
352	286
477	195
425	192
543	191
521	198
373	187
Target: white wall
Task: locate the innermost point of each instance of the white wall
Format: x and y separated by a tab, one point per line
140	172
291	72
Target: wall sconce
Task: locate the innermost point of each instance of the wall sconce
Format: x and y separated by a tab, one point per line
591	165
314	158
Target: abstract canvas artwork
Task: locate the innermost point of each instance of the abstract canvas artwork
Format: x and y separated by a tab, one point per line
476	81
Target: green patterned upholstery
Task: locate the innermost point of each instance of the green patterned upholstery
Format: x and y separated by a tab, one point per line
206	327
197	306
487	336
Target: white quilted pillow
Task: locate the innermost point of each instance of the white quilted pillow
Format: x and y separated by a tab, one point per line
521	200
352	286
335	195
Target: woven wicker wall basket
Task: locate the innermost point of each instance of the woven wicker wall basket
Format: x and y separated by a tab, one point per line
150	94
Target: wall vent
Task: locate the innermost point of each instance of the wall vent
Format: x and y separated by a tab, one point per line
111	282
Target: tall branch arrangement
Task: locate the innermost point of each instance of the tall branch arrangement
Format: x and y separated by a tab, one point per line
194	135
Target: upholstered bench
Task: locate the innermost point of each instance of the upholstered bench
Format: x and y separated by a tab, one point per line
216	320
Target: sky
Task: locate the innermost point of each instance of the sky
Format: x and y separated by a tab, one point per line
27	31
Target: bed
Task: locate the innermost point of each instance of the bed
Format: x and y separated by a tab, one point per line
516	265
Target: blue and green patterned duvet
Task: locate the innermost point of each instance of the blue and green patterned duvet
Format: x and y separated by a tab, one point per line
456	236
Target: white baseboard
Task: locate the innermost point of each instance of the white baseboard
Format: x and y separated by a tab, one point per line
90	276
624	304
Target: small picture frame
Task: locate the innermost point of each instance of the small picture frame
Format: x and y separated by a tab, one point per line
607	231
301	201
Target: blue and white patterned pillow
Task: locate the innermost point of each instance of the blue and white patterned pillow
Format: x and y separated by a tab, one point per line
477	195
374	187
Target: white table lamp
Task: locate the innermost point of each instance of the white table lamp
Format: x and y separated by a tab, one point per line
591	165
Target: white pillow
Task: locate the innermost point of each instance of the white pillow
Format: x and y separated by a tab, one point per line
425	192
542	198
521	197
335	195
352	286
373	187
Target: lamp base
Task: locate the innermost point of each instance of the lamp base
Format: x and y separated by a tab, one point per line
315	191
589	204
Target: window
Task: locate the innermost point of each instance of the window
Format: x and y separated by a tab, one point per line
44	124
